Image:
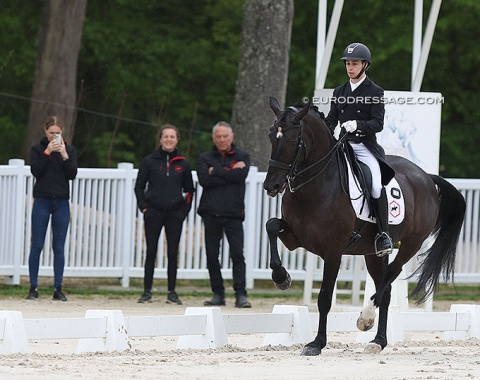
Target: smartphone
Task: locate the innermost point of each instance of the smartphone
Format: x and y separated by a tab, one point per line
58	138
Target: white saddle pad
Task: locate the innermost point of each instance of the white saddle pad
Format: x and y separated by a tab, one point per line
396	202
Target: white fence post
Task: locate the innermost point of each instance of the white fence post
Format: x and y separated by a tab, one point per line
127	216
13	337
473	326
250	226
301	327
18	221
116	338
215	335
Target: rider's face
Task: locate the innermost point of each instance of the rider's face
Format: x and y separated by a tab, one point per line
353	69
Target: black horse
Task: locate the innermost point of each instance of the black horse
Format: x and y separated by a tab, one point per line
317	214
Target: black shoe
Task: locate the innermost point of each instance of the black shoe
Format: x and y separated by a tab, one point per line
217	300
32	294
173	298
383	245
242	302
58	295
146	297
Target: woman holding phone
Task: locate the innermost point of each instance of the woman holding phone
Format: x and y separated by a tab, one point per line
53	163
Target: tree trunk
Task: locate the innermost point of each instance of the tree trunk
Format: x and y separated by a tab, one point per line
262	72
54	84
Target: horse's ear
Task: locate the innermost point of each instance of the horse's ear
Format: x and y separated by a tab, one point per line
300	114
275	106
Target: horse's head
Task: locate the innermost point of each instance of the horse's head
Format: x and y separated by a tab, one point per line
285	137
299	137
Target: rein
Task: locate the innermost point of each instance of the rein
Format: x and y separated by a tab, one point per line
327	158
292	172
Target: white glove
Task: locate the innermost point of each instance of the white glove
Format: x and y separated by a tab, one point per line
350	126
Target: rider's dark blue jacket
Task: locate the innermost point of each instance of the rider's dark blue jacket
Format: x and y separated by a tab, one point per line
365	105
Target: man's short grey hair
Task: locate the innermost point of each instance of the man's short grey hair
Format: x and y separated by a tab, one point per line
222	124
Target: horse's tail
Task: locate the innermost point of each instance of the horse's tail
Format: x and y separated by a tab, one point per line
440	257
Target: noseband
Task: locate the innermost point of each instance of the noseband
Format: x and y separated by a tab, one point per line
292	169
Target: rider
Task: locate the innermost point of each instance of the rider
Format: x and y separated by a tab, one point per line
358	106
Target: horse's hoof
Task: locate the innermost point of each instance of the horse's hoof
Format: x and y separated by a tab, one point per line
311	351
365	324
366	320
285	284
372	348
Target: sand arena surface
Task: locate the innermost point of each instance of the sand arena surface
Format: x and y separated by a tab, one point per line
424	356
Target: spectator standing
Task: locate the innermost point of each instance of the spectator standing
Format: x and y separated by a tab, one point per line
53	163
164	189
222	172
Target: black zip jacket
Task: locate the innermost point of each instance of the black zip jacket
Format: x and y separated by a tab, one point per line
223	189
166	176
51	172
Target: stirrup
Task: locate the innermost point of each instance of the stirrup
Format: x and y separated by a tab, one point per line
385	250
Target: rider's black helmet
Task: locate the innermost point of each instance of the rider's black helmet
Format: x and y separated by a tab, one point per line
357	52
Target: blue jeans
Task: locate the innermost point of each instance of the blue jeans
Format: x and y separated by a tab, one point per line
60	211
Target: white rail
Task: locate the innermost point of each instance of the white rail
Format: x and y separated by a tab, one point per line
105	237
207	328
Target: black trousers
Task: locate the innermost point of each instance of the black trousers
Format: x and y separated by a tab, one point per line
214	229
154	221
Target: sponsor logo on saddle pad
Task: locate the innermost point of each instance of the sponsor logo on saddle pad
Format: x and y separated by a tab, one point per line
396	202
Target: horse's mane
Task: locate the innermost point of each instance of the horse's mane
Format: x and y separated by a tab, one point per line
312	107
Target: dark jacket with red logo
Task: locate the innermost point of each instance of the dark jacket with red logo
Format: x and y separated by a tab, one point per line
167	177
224	189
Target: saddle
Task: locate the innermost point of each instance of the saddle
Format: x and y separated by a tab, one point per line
356	182
361	174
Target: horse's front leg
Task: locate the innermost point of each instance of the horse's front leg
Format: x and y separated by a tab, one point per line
278	228
324	303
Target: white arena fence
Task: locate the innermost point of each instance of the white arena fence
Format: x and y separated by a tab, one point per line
208	328
106	239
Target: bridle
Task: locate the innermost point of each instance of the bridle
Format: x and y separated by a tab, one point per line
292	168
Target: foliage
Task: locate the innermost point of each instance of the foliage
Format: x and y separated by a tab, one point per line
148	62
163	65
20	25
451	68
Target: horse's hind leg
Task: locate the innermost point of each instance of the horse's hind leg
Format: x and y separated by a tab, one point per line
278	228
376	268
382	296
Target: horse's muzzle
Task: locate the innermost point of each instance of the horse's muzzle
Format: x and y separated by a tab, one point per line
277	189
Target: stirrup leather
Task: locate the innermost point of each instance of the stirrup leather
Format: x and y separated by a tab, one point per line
386	249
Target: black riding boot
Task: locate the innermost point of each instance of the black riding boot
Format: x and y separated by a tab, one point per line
383	242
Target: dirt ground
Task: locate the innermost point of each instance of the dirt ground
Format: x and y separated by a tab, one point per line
423	356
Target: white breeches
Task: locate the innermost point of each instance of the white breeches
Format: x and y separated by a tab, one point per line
364	155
